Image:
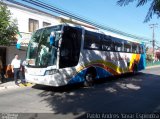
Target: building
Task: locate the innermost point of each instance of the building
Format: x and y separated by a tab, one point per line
29	19
156	56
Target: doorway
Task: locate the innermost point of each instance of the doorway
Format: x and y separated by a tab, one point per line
3	56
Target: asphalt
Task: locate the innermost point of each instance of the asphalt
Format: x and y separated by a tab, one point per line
10	84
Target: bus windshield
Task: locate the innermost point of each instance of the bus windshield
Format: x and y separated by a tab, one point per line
40	53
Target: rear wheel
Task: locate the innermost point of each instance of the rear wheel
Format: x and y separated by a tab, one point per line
90	76
88	80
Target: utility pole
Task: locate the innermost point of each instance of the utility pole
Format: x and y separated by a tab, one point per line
153	26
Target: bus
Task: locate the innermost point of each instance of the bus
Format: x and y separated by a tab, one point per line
80	55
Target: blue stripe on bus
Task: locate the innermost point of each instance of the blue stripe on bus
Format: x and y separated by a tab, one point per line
142	62
101	73
78	78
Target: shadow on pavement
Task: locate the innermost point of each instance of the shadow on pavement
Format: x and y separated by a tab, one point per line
125	94
6	80
74	87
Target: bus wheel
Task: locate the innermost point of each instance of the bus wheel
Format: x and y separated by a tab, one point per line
135	69
88	80
90	76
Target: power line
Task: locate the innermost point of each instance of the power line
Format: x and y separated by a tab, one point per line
73	16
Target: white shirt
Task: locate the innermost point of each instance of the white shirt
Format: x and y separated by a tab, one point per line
16	63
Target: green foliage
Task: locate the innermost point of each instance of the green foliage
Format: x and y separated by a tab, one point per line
149	57
8	27
146	48
154	7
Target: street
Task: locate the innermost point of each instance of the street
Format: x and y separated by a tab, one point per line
127	94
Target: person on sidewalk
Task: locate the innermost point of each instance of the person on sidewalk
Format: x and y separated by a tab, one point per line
17	69
9	73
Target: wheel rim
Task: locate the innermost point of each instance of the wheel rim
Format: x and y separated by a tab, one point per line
88	80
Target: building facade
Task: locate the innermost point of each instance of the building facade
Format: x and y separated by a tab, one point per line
28	19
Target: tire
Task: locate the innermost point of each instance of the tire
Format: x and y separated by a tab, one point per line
88	80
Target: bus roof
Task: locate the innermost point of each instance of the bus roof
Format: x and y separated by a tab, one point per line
93	29
96	30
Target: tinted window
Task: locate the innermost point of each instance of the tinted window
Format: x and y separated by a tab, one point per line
107	43
127	46
96	41
70	47
118	44
92	40
135	48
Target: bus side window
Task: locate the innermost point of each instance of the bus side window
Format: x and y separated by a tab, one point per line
70	47
138	49
134	48
127	47
118	46
92	41
141	49
106	43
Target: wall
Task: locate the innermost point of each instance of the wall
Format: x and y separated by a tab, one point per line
22	15
11	51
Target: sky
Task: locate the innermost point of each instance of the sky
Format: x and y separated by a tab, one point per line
129	19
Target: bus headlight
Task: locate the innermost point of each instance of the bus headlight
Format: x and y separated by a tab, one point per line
50	72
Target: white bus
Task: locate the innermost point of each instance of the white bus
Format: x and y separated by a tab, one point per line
79	54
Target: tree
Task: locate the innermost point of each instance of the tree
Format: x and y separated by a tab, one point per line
8	27
154	7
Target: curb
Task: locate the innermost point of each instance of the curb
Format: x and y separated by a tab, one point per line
9	87
149	67
14	87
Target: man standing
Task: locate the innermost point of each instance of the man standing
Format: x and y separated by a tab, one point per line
17	69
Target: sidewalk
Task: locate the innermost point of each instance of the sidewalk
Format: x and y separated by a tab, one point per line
152	66
10	84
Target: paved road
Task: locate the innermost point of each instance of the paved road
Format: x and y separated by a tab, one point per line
139	93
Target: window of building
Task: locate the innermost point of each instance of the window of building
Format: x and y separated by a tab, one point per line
33	25
46	24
